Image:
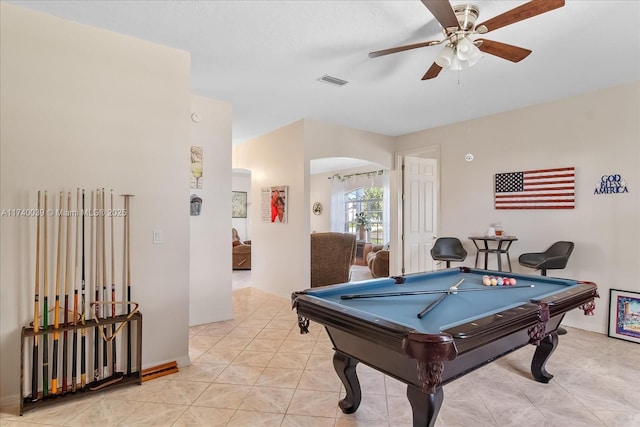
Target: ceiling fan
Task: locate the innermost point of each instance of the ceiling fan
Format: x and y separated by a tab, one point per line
459	28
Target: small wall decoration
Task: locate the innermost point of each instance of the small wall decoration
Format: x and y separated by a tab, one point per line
624	315
611	184
196	205
238	204
274	204
196	167
317	208
536	189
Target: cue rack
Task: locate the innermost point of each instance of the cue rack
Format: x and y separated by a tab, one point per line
81	339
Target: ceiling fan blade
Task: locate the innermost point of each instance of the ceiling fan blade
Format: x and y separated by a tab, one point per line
520	13
432	72
402	48
503	50
443	12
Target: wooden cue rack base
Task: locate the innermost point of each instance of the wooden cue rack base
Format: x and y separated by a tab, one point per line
121	378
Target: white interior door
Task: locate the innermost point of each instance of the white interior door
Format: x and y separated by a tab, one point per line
420	208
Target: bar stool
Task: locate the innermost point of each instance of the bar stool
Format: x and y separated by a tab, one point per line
554	258
448	249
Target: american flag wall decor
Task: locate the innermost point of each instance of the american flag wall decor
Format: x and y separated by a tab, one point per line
536	189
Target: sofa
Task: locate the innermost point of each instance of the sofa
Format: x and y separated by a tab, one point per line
241	252
332	255
378	260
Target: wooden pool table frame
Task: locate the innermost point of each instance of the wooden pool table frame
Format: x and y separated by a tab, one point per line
439	358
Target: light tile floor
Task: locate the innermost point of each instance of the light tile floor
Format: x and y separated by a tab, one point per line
257	370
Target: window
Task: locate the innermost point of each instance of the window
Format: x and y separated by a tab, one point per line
368	200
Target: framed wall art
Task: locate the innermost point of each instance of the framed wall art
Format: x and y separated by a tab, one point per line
317	208
624	315
274	204
536	189
196	167
238	204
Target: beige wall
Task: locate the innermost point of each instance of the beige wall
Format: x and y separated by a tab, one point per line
210	235
82	107
328	140
598	134
320	191
279	251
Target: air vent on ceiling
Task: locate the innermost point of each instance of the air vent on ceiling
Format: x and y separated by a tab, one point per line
333	80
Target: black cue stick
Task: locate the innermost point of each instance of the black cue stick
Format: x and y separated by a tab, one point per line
433	305
113	297
126	269
45	306
74	342
83	333
36	311
94	273
103	254
67	285
56	306
439	291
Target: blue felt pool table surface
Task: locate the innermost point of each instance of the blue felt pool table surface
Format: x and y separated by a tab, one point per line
454	310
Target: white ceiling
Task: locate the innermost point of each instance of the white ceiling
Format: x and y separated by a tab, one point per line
266	57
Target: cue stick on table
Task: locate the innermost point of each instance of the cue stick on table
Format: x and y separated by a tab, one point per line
438	291
433	305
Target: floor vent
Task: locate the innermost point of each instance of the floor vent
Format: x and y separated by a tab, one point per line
333	80
159	371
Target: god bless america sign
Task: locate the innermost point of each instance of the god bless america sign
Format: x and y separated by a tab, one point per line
611	184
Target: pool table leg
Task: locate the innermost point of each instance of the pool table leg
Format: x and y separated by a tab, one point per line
425	406
542	354
345	367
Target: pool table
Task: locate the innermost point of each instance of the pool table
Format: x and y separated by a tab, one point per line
467	328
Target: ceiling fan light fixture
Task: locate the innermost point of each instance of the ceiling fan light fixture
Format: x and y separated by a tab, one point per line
475	57
446	56
465	49
456	64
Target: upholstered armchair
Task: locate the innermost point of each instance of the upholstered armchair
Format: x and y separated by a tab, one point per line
332	255
378	260
235	237
241	252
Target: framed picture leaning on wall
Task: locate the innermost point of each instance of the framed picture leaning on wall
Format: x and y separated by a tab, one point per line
624	315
